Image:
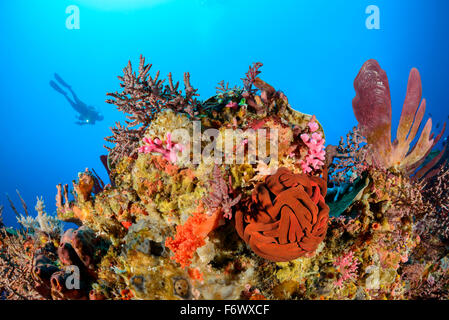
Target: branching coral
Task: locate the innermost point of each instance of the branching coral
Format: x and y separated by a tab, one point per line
43	223
426	282
347	266
16	279
346	162
126	141
251	77
269	99
436	195
372	108
219	196
141	99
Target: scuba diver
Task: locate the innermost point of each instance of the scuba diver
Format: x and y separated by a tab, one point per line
87	114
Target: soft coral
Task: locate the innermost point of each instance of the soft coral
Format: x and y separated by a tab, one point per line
191	235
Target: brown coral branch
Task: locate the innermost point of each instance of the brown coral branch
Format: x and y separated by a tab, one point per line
251	75
24	205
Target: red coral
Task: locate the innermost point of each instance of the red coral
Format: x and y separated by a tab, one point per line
190	236
126	224
195	274
286	218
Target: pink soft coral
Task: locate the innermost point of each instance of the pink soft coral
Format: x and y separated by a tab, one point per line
316	154
313	125
232	105
168	149
347	265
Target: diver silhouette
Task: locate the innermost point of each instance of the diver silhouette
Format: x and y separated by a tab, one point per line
87	114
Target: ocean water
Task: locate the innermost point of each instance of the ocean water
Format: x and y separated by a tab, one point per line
311	50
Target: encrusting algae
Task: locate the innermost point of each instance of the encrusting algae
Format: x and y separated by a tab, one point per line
367	219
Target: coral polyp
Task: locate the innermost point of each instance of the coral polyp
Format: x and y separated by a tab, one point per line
237	197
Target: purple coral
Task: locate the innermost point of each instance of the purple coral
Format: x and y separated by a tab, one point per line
251	76
269	100
219	197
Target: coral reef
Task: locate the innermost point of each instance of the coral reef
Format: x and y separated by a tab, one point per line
202	204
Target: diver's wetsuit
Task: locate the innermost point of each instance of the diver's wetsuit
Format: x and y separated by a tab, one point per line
87	114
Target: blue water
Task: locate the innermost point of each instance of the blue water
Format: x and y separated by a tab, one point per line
312	50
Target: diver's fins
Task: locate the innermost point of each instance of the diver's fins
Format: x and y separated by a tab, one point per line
57	88
62	82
